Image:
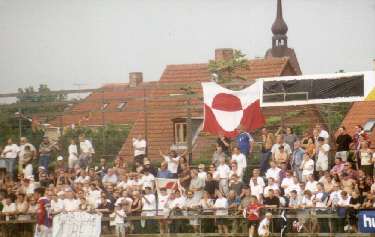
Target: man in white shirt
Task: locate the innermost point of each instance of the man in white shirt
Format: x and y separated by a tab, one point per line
239	158
9	208
57	203
70	203
110	177
148	206
273	171
148	180
10	153
323	149
139	148
87	151
311	184
172	159
275	148
322	133
287	181
256	184
73	154
223	175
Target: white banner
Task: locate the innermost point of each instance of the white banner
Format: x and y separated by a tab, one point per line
77	224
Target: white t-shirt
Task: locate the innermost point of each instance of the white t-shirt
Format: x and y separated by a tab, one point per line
311	185
344	202
139	147
256	190
273	173
71	204
221	203
308	167
57	206
323	153
93	197
86	147
148	181
119	216
73	152
10	151
162	202
287	182
241	161
9	208
275	149
172	163
263	227
223	171
202	175
148	209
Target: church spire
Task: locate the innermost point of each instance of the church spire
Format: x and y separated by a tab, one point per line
280	47
279	27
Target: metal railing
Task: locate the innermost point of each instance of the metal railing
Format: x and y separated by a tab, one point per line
317	222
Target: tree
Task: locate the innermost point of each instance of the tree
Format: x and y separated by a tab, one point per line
225	70
107	141
44	94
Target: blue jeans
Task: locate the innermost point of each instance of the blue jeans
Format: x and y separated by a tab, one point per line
44	161
11	166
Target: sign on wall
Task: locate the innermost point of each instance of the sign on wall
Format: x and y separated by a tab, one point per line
366	221
77	224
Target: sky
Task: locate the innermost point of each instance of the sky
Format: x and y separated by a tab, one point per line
63	43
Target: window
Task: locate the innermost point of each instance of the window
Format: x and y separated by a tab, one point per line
180	133
121	106
104	106
313	89
369	125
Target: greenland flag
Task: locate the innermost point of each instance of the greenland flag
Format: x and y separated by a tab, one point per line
226	110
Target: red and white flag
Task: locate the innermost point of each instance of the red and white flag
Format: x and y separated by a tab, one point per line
226	110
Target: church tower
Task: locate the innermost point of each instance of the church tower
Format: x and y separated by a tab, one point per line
280	41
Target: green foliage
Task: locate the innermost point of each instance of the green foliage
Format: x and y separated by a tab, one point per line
300	128
334	114
107	140
273	120
225	69
9	128
43	94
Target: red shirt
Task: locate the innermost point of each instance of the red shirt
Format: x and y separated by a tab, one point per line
255	209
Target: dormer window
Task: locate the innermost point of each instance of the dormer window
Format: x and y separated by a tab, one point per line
369	125
104	106
121	106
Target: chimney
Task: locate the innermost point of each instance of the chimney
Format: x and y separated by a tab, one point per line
135	78
223	54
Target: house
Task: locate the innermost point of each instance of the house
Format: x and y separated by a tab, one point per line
361	113
166	118
117	103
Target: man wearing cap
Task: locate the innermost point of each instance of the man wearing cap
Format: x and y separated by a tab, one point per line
149	206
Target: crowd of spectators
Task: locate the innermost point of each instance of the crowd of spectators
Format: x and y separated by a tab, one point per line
300	174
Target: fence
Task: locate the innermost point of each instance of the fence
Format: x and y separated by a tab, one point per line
318	222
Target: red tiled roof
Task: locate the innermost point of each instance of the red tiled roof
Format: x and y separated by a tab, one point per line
359	114
88	112
161	112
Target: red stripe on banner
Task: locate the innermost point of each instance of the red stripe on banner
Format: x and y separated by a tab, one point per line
253	117
212	126
251	120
